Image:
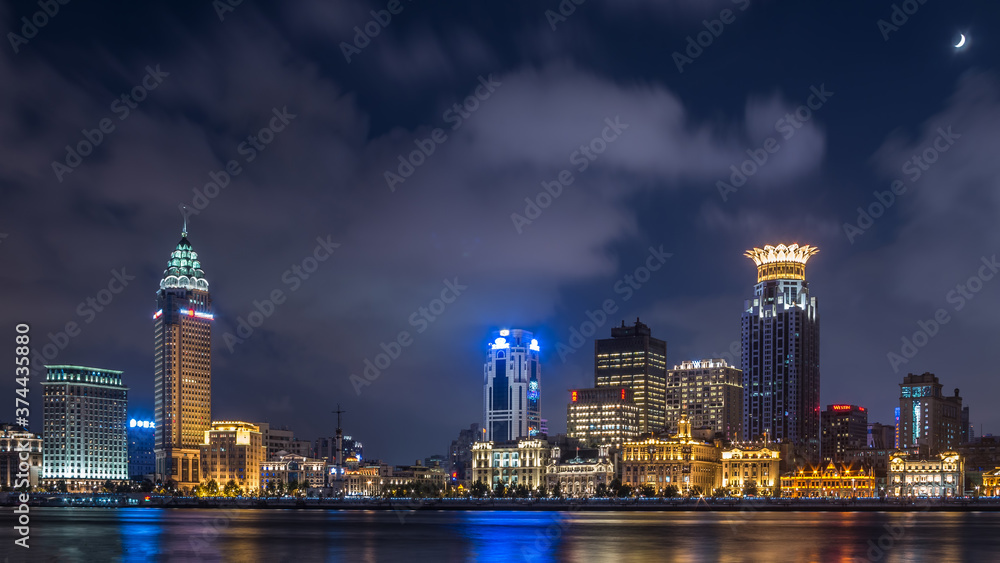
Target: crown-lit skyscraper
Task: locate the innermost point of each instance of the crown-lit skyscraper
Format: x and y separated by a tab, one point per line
780	357
183	366
511	379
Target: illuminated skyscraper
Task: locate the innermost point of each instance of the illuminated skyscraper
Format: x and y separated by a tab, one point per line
632	358
183	366
710	393
780	354
511	379
927	418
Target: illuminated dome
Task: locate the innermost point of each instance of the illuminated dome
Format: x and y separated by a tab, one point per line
184	269
781	262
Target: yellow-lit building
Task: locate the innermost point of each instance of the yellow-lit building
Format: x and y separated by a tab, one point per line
679	460
835	480
520	462
991	483
942	475
751	466
233	450
602	415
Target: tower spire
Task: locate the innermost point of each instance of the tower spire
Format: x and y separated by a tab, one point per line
184	231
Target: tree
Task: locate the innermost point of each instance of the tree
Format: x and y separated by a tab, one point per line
211	488
61	487
557	491
614	486
146	486
720	492
602	490
750	489
695	491
293	487
542	491
479	489
671	491
232	489
108	486
647	491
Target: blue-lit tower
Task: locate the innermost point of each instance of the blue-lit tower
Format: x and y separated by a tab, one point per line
511	387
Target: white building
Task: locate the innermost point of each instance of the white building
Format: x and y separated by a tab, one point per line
579	475
937	476
511	379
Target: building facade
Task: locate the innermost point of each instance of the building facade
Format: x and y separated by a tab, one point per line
844	427
519	462
291	468
679	461
182	387
780	350
991	483
232	451
578	473
141	439
751	467
20	457
834	480
84	439
460	453
511	387
602	416
928	418
709	393
881	436
632	358
941	475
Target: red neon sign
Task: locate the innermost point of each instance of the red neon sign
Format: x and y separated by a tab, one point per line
842	407
623	394
573	396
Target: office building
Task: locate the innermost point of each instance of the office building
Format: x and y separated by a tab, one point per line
232	451
602	416
326	448
84	439
182	387
512	463
881	436
278	440
579	473
968	433
710	394
941	475
681	461
832	480
632	358
844	427
927	418
751	470
511	387
141	439
17	446
780	351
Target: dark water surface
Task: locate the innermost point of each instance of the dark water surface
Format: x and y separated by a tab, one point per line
146	534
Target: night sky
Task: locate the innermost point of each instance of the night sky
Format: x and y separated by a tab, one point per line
880	96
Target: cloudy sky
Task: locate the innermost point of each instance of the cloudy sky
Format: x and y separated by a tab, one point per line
663	119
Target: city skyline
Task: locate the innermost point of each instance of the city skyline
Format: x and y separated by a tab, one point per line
451	179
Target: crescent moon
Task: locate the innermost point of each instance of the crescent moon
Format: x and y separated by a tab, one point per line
961	41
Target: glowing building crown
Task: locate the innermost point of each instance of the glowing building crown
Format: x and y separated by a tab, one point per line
184	268
781	262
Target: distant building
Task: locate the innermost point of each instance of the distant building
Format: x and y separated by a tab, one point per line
927	418
326	448
982	454
834	480
602	416
518	462
679	460
141	458
881	436
710	393
18	445
293	468
632	358
417	473
967	432
844	427
233	451
460	452
578	473
780	357
282	439
511	387
84	441
751	467
942	475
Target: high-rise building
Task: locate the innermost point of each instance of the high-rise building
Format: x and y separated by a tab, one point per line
232	451
84	440
927	418
460	452
182	366
602	416
780	351
881	436
17	447
967	431
632	358
845	427
511	377
709	393
141	438
326	448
